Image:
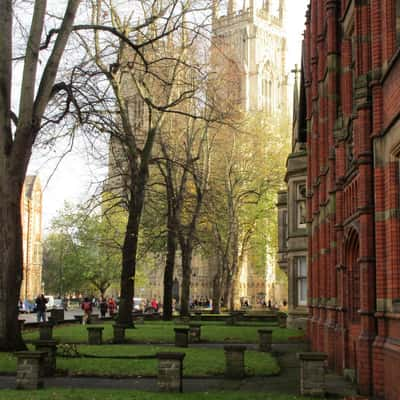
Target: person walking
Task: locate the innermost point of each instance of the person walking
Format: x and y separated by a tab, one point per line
41	302
87	310
103	307
112	306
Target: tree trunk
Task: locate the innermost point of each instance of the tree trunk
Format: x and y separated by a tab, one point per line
217	291
12	261
169	272
186	250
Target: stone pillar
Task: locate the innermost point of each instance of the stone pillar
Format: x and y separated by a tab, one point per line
46	331
312	374
265	339
234	356
95	334
49	347
57	314
139	320
29	369
119	333
78	318
94	319
170	367
197	315
181	337
282	318
21	324
194	333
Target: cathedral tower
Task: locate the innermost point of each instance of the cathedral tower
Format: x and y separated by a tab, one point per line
252	33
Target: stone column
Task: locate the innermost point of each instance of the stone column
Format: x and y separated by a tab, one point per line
29	369
170	367
119	333
95	334
265	339
194	333
94	319
181	337
234	356
57	314
49	347
46	331
312	373
282	318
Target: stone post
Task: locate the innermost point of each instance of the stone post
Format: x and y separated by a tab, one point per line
234	356
181	337
265	339
49	347
30	369
282	318
312	374
46	331
170	367
119	333
57	314
194	332
21	324
95	334
94	319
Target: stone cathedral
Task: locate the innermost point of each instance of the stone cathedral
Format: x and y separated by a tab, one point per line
251	35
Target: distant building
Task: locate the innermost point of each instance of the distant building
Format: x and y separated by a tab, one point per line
31	215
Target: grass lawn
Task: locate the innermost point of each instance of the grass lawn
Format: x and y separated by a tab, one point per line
199	362
91	394
163	332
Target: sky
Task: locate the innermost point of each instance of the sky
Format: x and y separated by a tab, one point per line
71	177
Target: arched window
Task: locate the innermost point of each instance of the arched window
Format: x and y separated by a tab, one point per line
354	298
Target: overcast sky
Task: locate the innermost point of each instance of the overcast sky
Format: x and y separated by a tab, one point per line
71	180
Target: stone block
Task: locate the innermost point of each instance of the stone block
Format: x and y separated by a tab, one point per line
234	357
46	331
78	318
94	319
49	362
282	320
30	369
265	339
95	334
170	371
181	337
119	333
57	315
312	373
194	333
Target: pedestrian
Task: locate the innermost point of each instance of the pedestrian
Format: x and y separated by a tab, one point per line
87	310
112	305
41	302
103	307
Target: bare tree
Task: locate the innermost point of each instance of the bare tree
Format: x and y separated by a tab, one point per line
18	132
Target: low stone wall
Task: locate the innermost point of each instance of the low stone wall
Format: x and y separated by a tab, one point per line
312	373
57	315
30	369
170	371
119	333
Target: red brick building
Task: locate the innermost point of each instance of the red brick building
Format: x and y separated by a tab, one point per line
352	82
